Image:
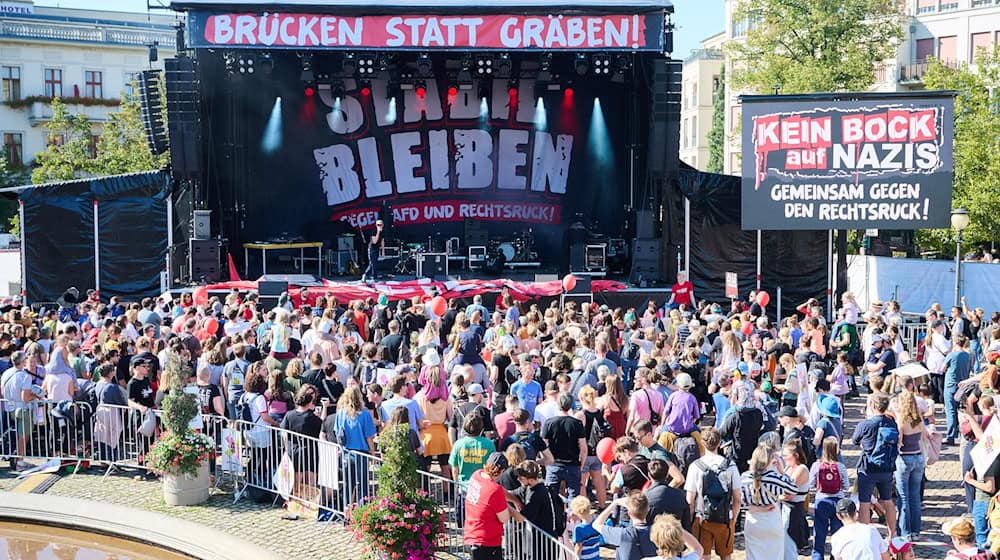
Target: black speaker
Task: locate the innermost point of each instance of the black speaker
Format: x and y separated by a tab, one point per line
269	291
665	116
151	111
183	115
577	257
646	260
433	266
205	259
645	224
582	285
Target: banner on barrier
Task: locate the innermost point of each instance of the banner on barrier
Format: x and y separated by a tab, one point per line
867	161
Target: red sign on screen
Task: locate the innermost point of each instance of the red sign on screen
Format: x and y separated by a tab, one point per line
290	30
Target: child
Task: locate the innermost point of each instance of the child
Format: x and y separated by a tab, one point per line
901	549
928	398
672	540
586	539
829	477
636	535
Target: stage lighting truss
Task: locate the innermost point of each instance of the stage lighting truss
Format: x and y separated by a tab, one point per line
484	66
425	67
504	66
601	64
581	64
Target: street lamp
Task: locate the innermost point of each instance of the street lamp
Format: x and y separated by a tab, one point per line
959	221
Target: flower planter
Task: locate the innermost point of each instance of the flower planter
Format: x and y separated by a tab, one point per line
186	490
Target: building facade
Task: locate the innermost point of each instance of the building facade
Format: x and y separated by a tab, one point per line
87	58
699	88
948	30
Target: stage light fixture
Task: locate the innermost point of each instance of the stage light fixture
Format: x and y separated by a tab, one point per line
452	90
484	92
545	69
581	64
229	59
464	80
425	66
406	85
568	92
366	87
601	64
309	91
245	64
266	64
307	74
545	63
366	65
349	64
338	89
512	88
484	66
421	89
504	66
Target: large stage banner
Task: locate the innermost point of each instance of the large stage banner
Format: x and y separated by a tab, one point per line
847	161
290	30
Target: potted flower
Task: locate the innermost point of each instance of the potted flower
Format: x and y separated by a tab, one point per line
401	522
181	455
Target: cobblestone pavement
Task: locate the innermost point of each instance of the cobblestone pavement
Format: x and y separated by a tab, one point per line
260	524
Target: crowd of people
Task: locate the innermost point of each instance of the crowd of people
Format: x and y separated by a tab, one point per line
670	431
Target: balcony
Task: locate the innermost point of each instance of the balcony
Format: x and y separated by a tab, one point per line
704	54
40	112
913	74
123	36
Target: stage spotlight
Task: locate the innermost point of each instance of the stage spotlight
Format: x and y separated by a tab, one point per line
484	66
581	64
568	92
266	64
338	90
622	65
349	64
452	91
230	61
545	69
307	74
599	141
512	89
425	67
504	66
541	120
545	63
602	64
271	140
366	87
309	92
366	65
245	64
484	92
421	89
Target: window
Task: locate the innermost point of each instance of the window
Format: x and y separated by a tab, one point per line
53	82
93	84
130	83
694	131
12	148
55	140
926	6
948	6
694	94
977	41
925	49
95	139
11	76
948	49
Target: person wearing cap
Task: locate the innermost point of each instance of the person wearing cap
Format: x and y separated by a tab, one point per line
963	540
486	510
856	541
375	243
936	348
472	406
681	414
901	549
792	427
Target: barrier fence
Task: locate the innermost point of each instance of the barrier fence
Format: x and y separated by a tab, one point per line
254	458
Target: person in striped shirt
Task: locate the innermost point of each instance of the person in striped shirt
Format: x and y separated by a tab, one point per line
586	539
763	486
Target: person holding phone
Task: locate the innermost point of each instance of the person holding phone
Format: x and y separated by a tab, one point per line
374	244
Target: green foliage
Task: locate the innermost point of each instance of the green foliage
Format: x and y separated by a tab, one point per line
11	176
977	143
69	160
717	134
808	46
123	147
398	473
402	521
180	450
85	101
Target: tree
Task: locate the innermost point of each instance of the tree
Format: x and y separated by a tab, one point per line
67	156
807	46
11	176
717	134
123	147
976	144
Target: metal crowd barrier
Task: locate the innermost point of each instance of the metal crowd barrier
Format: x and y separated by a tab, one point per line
310	474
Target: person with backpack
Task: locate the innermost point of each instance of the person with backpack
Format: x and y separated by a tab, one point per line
828	422
597	428
713	495
878	437
535	448
633	540
793	428
829	478
963	541
743	426
910	464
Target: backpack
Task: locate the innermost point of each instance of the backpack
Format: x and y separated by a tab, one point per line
883	456
631	350
686	451
716	492
828	478
524	440
243	410
654	416
599	429
806	442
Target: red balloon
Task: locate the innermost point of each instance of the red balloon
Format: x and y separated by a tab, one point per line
763	298
747	327
569	282
212	326
200	295
439	306
606	450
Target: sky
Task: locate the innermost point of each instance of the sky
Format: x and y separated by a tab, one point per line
694	19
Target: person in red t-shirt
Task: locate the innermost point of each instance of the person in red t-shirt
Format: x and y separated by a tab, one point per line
486	510
681	293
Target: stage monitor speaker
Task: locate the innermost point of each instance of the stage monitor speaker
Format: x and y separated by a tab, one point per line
269	292
475	234
578	257
204	257
202	224
151	111
432	265
582	285
183	115
645	261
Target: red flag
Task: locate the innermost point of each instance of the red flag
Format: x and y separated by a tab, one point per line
234	276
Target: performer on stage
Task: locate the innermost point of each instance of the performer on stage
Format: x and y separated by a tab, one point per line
374	244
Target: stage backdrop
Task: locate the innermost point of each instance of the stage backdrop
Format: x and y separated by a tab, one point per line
847	161
439	159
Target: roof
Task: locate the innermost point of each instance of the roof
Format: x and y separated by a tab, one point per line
29	186
375	6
